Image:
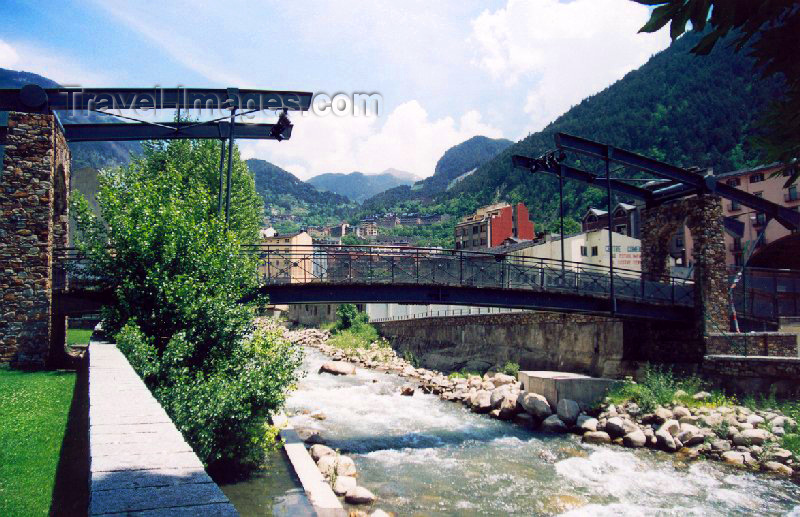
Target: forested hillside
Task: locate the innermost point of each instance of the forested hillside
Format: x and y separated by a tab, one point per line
284	193
678	107
454	165
358	186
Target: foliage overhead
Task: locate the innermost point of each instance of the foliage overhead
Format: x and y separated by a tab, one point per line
769	30
177	275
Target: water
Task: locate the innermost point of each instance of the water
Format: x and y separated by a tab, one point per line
423	456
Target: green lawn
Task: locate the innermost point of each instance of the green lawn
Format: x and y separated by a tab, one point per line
34	407
78	336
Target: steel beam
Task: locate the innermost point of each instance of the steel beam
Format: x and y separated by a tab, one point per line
32	98
695	182
168	131
525	162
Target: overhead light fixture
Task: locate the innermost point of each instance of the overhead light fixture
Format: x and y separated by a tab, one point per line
282	129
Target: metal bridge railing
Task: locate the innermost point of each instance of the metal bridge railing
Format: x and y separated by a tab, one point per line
333	264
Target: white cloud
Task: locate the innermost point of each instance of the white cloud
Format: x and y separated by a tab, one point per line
8	56
408	140
564	51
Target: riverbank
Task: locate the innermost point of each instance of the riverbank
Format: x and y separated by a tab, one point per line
420	455
696	425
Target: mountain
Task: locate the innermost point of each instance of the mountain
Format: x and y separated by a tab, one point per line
678	107
358	186
285	194
85	155
456	163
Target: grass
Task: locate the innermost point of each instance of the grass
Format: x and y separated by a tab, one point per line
361	335
34	408
78	336
660	387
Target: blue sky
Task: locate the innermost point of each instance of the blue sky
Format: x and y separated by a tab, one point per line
445	70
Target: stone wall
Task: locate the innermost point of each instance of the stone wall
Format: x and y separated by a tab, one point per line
770	344
536	341
702	214
34	187
754	375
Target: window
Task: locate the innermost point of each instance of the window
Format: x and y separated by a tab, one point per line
458	245
759	194
483	241
679	242
735	206
475	229
761	219
621	228
737	244
792	194
583	251
733	182
286	241
757	178
475	242
594	251
591	219
483	228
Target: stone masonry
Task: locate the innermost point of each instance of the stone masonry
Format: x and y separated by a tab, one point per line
768	344
702	214
34	188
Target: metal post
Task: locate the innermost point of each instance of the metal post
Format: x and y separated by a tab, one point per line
610	232
230	166
561	210
221	177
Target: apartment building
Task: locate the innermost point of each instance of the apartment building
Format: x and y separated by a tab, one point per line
288	258
490	225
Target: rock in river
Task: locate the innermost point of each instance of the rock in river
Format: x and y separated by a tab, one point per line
338	368
535	404
359	495
553	424
568	411
344	484
596	437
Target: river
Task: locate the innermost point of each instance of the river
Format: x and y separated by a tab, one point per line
423	456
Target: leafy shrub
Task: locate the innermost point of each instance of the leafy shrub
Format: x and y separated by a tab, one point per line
511	368
178	275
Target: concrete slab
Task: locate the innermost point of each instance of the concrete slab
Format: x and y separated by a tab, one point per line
140	463
147	478
555	386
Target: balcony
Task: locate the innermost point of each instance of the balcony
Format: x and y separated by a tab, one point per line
733	206
760	220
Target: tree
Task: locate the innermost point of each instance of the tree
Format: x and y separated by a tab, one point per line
770	30
177	274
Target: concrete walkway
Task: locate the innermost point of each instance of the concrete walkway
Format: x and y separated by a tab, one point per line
140	463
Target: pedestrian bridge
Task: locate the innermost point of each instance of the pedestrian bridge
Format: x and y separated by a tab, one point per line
386	274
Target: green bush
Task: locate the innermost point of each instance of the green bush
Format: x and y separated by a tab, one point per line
178	277
511	368
660	387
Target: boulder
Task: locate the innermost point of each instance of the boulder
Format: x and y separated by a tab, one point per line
778	468
665	441
755	420
690	435
498	394
634	439
501	379
586	423
663	414
344	484
310	436
318	415
379	513
751	437
359	495
407	390
553	424
318	450
535	404
721	445
568	411
338	368
508	407
339	465
701	395
733	457
598	437
679	412
671	426
524	420
615	427
482	402
779	455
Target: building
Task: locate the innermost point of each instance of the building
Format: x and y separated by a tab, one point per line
340	230
625	220
367	230
289	258
586	248
490	225
753	229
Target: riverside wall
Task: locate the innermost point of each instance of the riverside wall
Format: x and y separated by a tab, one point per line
591	344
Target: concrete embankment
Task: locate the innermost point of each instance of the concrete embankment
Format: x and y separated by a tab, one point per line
140	463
